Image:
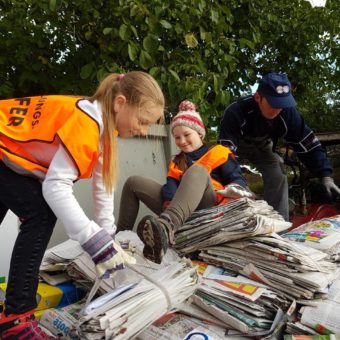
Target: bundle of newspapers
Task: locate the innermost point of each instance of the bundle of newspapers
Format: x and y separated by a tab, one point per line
224	223
296	270
323	234
68	261
128	309
244	305
320	316
323	315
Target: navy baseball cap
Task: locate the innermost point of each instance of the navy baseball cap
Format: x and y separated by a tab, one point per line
276	88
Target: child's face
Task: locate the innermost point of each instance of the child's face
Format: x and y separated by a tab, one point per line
132	121
187	139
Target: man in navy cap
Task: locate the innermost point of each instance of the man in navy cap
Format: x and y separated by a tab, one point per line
250	125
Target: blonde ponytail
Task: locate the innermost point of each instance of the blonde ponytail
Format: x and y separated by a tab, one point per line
140	89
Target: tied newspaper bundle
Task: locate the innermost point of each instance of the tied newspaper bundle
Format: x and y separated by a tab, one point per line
320	316
68	261
323	234
242	304
296	270
126	311
235	220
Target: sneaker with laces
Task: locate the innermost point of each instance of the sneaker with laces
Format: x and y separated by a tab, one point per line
22	327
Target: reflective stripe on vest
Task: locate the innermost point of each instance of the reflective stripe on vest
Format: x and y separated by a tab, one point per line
42	119
212	159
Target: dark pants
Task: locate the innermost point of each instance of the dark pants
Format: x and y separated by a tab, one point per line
273	173
23	196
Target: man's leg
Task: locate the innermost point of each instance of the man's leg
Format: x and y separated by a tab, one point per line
23	195
138	189
272	169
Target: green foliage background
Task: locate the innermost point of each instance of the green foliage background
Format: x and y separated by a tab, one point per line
211	52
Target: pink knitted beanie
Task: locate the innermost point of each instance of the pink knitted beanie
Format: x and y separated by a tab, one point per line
188	116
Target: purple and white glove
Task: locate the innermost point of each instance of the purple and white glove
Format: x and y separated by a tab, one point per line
107	255
330	186
234	190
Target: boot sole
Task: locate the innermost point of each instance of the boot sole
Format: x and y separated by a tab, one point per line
155	246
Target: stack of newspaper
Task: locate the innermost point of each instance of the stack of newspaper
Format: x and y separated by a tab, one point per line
323	316
236	220
322	234
242	304
130	308
296	270
68	261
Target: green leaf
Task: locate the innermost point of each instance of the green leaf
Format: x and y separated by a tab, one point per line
107	30
53	5
101	73
145	60
214	16
86	71
245	42
165	24
124	32
175	75
206	36
191	40
134	11
225	97
88	35
178	28
132	51
133	29
201	5
150	43
216	84
154	71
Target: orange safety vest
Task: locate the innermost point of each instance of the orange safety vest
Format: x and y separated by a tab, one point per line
42	119
212	159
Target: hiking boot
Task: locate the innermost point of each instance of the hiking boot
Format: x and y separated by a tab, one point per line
21	327
154	233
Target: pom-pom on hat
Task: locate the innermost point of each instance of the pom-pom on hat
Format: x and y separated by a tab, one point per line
188	116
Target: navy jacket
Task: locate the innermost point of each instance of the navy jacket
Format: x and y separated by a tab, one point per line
228	172
243	119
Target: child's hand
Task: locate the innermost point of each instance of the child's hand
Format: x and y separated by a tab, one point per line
114	259
107	255
234	190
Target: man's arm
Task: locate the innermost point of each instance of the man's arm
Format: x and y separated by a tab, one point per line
305	144
309	150
231	126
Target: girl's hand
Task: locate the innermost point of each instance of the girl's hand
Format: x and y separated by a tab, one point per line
107	255
114	259
234	190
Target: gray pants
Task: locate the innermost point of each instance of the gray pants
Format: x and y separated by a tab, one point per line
273	173
194	192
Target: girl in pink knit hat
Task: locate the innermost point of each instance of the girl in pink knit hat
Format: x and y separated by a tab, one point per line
200	176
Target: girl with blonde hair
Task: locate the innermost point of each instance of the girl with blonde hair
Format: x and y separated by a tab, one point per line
47	143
